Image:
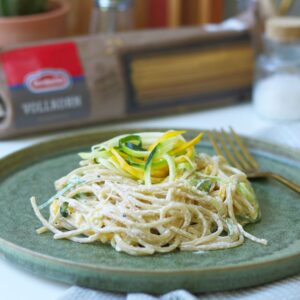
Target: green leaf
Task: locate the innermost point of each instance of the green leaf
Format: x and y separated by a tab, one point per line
204	185
22	7
64	209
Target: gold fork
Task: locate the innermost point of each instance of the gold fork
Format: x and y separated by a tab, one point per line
230	146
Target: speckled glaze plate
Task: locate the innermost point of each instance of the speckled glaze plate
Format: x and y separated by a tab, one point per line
33	170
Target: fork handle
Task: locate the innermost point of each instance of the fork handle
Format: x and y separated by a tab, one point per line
292	185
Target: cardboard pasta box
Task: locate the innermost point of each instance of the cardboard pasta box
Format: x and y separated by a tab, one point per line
86	80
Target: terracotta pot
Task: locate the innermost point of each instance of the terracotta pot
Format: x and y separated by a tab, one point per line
47	25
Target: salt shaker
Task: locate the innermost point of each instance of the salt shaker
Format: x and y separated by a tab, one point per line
276	93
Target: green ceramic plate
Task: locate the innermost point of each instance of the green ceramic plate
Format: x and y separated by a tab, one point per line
32	171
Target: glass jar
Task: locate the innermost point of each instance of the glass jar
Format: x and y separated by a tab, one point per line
113	15
276	93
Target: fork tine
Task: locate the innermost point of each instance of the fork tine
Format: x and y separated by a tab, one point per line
244	150
216	137
245	165
230	157
214	143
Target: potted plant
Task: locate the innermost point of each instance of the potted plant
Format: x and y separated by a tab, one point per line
31	20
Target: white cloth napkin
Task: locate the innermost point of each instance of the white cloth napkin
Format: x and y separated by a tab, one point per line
287	289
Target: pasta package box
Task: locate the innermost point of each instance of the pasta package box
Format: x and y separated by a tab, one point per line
107	77
47	84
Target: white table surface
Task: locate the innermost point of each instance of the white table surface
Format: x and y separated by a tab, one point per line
16	284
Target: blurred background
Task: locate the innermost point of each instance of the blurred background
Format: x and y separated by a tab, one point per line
161	13
165	13
86	16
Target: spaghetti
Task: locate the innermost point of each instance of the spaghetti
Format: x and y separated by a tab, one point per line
151	192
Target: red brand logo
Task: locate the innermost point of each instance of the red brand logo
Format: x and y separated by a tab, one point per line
48	80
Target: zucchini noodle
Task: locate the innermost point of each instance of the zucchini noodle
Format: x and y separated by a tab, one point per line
151	192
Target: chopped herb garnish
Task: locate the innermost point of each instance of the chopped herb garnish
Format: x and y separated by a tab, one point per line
204	185
64	209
